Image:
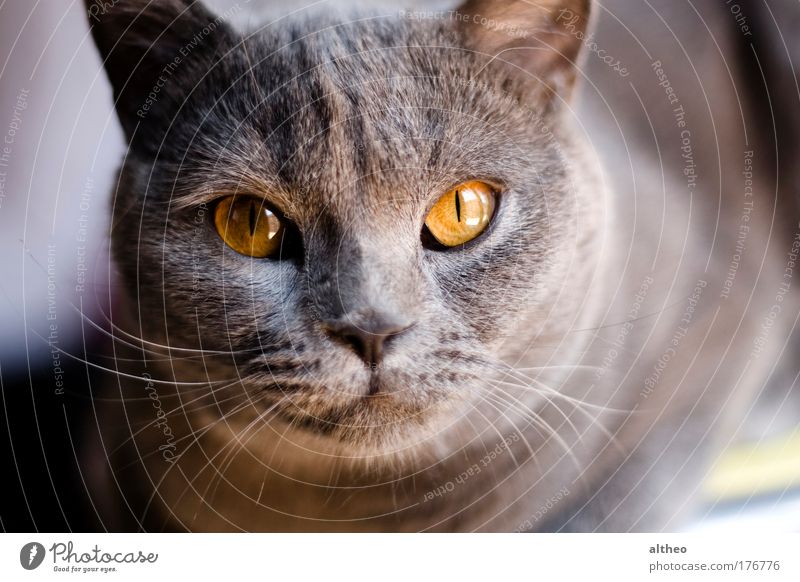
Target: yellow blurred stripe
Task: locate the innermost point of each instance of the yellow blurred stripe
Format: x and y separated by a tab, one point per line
769	466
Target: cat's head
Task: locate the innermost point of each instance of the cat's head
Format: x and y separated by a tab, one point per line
367	214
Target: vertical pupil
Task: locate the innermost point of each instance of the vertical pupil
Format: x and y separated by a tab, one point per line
252	218
458	206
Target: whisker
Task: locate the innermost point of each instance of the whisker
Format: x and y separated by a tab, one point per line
551	432
198	434
550	401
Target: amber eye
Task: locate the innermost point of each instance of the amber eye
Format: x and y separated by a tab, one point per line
248	226
462	214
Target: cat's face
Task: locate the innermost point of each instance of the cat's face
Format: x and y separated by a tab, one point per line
361	325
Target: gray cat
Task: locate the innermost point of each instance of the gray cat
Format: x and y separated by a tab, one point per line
379	273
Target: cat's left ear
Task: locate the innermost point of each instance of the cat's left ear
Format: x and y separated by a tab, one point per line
537	41
146	45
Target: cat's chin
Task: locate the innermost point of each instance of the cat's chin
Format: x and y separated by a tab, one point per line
382	422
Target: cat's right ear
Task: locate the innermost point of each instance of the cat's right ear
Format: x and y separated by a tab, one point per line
535	42
144	44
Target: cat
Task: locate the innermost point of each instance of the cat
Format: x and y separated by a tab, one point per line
309	338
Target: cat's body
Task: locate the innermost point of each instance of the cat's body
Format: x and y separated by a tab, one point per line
569	370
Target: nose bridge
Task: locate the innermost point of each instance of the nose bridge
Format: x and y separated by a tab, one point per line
367	272
389	276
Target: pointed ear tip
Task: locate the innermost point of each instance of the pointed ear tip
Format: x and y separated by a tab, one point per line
92	11
96	9
577	5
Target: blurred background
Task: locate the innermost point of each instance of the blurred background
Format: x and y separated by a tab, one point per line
59	151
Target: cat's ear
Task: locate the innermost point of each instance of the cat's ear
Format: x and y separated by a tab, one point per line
537	41
145	44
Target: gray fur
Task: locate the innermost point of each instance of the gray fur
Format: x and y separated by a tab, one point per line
352	128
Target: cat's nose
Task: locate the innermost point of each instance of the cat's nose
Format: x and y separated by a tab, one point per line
367	333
